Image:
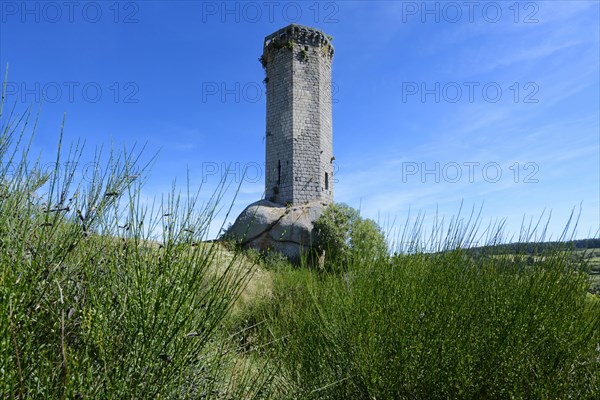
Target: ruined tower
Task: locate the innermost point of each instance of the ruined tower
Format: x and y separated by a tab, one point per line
299	151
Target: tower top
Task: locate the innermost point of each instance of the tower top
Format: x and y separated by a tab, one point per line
299	34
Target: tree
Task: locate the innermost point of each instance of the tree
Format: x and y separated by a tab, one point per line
342	235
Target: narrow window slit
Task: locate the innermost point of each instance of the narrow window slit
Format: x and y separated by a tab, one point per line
279	172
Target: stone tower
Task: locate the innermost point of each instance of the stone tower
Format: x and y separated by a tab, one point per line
299	151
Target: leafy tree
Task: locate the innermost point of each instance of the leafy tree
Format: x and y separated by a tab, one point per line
367	239
341	235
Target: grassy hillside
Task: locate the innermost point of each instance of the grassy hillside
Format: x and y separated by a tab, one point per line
433	326
102	297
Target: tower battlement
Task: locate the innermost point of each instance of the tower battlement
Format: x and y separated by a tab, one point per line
298	34
299	150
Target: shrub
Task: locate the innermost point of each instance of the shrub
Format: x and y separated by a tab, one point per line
438	325
341	233
367	240
101	297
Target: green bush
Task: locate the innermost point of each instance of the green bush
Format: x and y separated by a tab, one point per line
100	296
367	240
343	234
438	326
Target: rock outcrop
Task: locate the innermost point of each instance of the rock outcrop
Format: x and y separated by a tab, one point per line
268	226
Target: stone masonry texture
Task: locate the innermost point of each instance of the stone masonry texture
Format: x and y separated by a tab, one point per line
299	149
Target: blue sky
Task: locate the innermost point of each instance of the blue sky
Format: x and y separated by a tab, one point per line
488	104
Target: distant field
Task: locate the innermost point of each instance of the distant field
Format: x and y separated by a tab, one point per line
591	256
588	257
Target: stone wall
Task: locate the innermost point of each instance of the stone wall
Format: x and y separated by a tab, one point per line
299	158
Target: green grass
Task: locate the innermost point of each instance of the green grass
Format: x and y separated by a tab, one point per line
103	296
432	326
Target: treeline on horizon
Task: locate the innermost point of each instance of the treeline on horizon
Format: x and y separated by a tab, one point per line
534	248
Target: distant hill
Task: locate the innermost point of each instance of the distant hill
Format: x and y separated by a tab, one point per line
538	247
